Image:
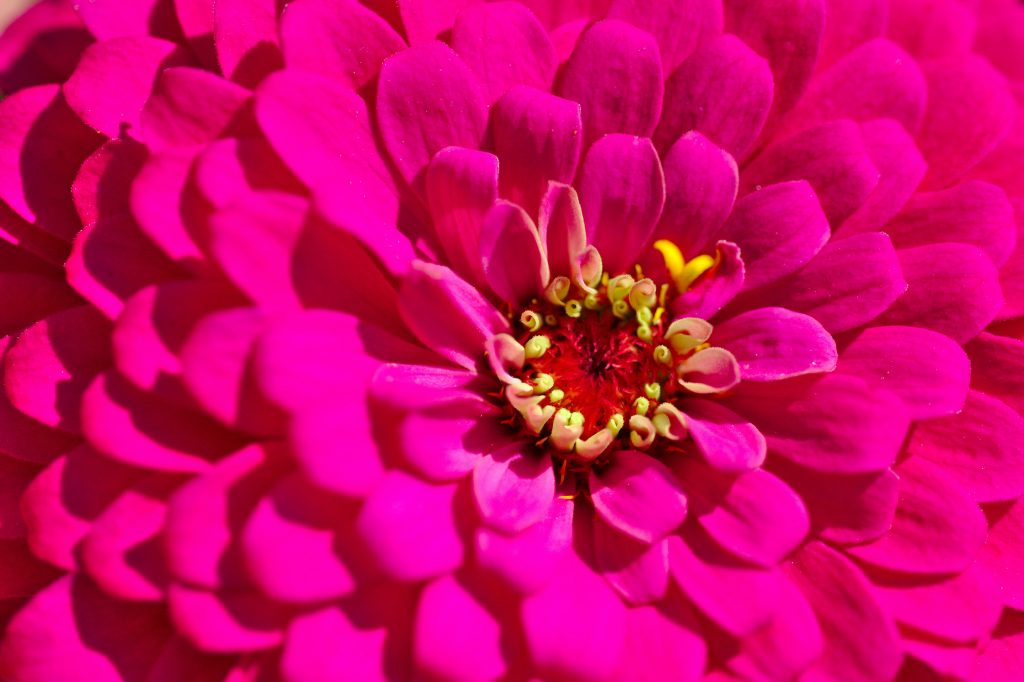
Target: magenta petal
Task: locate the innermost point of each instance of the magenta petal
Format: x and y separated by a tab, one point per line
680	26
335	143
953	137
514	487
189	107
537	138
927	370
781	227
831	156
512	255
975	213
981	446
861	641
342	40
997	368
575	627
701	182
716	289
639	496
637	570
114	79
775	343
528	560
615	73
245	36
937	527
448	315
876	80
446	442
157	199
1002	557
455	637
328	642
849	283
754	515
840	424
224	622
562	231
622	191
103	186
724	91
504	45
423	20
408	526
738	597
663	640
427	100
959	307
341	455
461	186
728	442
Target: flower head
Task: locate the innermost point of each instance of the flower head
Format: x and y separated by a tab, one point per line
513	340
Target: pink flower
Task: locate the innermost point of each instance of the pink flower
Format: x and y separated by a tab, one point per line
471	341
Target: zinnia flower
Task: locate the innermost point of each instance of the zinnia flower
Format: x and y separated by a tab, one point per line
513	340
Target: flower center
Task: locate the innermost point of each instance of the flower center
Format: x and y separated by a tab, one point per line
595	367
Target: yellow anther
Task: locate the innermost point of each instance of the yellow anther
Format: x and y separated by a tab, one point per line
615	424
591	302
692	270
644	315
644	333
662	354
662	296
642	405
557	290
653	391
573	308
619	287
531	320
556	395
643	294
658	314
542	383
620	309
674	261
550	320
537	346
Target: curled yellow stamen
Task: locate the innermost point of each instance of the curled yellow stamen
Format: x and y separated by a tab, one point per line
642	405
653	391
537	346
644	333
620	309
531	320
619	287
662	354
573	308
542	383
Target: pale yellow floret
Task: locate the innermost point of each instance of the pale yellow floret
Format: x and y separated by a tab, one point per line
591	302
644	315
537	346
556	395
531	320
653	391
615	424
573	308
542	383
662	354
641	405
644	333
619	288
620	309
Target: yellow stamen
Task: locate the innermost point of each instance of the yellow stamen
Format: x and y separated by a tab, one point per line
642	405
692	270
542	383
573	308
653	391
674	261
537	346
531	320
556	395
662	354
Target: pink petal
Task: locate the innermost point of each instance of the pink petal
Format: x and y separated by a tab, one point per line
322	36
408	526
42	146
289	544
958	307
975	213
504	45
981	446
336	142
831	156
1001	554
27	296
179	660
711	370
15	477
680	26
622	191
937	527
106	19
839	425
844	508
861	641
425	20
849	25
724	91
339	455
455	637
232	169
562	231
512	255
49	366
528	560
1003	656
328	642
928	371
615	73
102	187
997	369
48	639
160	205
728	442
427	100
963	608
638	571
736	596
114	79
448	315
780	227
715	289
701	182
953	137
639	496
461	186
847	284
575	627
754	515
445	442
196	20
876	80
514	487
662	641
775	343
245	36
225	622
537	138
189	107
932	29
52	35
